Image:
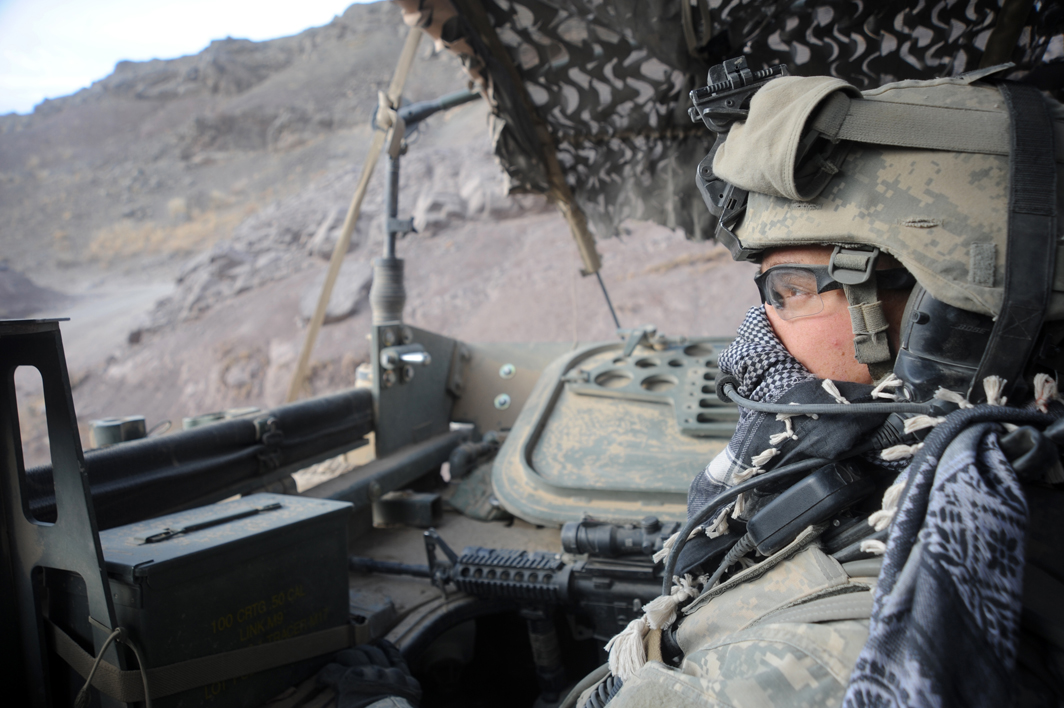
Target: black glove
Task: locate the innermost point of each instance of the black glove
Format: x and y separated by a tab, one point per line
365	674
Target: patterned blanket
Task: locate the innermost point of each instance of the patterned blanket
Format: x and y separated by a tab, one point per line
946	618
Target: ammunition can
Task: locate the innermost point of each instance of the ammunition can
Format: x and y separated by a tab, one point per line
193	584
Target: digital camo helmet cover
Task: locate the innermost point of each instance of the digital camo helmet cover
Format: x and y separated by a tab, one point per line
918	169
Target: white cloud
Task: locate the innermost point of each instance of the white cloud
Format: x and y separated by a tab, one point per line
51	48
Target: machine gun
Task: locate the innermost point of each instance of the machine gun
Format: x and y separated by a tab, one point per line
608	582
609	591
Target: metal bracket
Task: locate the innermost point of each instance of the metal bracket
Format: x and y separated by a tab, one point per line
397	357
400	226
852	266
72	542
441	571
635	336
681	375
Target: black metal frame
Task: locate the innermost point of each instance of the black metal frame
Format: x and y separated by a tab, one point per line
72	542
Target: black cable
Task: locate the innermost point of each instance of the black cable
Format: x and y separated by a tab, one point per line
743	546
852	551
728	389
934	445
713	505
605	692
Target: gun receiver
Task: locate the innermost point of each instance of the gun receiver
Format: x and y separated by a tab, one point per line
610	592
727	97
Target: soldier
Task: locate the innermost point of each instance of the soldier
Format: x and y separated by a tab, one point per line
907	251
907	247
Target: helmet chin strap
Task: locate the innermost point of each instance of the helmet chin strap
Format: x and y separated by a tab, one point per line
855	268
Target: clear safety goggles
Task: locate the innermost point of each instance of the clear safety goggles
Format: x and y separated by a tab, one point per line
794	291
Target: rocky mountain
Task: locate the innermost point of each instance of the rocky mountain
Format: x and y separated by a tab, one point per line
163	158
182	212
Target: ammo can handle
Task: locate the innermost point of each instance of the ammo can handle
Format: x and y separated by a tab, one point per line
170	533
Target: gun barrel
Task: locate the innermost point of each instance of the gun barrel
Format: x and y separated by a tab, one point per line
609	592
154	476
371	565
417	112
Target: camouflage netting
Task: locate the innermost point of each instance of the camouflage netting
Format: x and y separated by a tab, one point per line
615	106
873	43
610	79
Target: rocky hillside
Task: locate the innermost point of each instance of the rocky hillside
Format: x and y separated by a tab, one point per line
164	158
182	213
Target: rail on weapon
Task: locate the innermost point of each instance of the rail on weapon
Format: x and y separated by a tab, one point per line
606	571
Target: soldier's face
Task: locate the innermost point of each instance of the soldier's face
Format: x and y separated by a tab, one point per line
823	343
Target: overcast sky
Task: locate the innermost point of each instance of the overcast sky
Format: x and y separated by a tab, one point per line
52	48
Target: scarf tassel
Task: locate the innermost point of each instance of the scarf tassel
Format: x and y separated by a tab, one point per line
628	652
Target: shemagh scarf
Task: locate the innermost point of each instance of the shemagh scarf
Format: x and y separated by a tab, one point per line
946	613
767	372
948	602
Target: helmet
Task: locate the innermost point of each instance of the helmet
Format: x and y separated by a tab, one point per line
919	170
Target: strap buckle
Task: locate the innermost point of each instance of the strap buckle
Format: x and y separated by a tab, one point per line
852	266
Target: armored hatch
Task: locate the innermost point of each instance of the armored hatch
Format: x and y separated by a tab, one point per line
616	431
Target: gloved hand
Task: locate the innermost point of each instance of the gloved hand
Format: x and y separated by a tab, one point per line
368	673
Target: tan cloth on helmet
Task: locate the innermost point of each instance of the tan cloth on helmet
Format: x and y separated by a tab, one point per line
760	152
